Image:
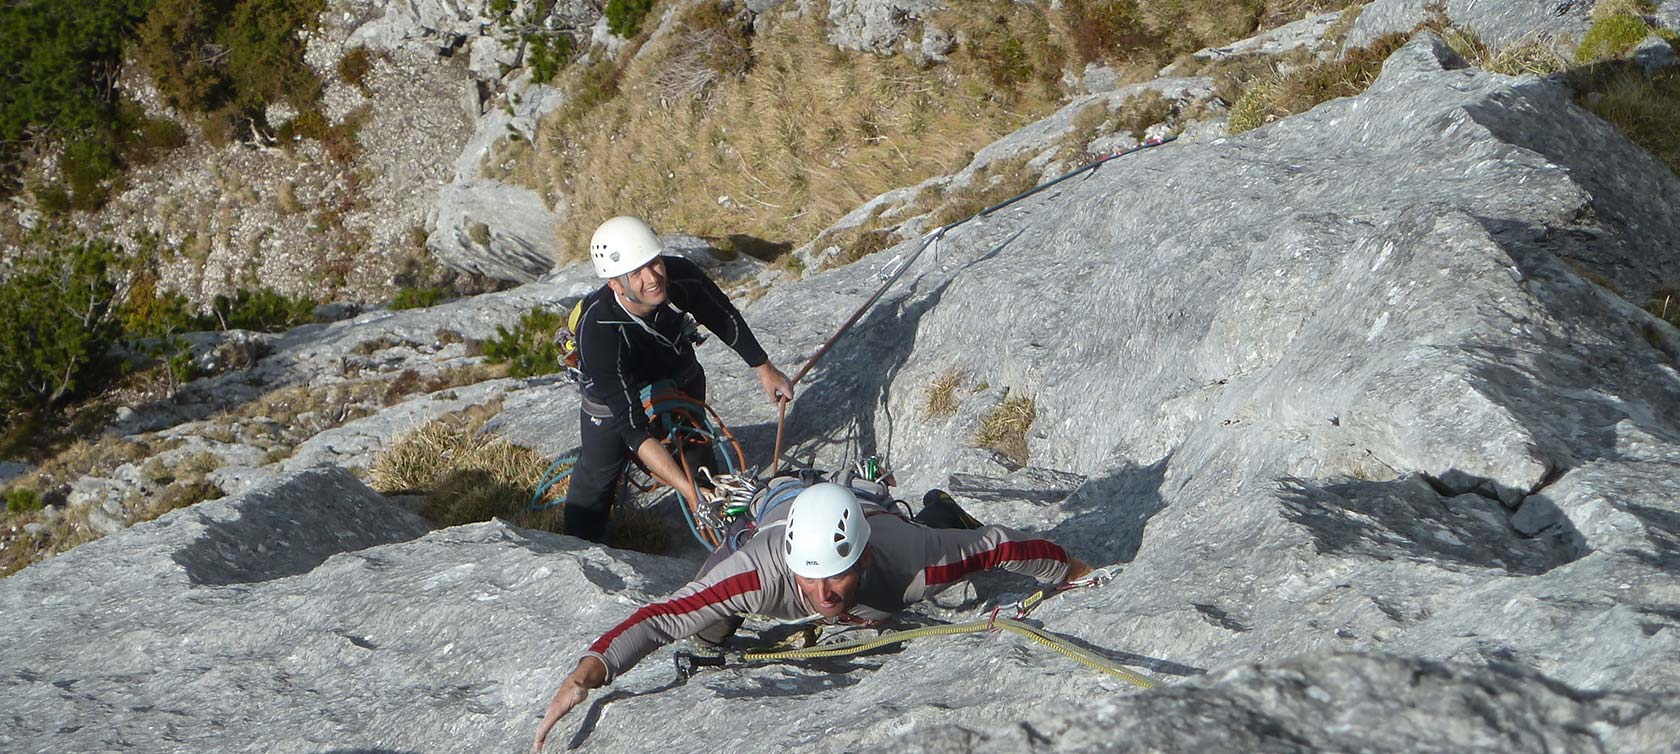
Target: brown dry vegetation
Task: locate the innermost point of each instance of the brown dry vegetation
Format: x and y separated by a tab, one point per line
1005	428
942	395
467	476
795	140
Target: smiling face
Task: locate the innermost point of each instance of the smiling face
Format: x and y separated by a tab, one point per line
643	286
831	597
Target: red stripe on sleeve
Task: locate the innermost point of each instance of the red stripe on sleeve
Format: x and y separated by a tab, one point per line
734	586
1032	549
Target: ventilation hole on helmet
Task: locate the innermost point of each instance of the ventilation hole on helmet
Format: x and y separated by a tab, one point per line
843	549
839	536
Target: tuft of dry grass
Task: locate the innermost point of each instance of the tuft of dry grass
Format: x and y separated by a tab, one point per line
991	184
1302	88
18	548
1005	428
467	475
179	494
1665	304
1643	107
942	394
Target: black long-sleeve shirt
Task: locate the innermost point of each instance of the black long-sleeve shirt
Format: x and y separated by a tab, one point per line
620	353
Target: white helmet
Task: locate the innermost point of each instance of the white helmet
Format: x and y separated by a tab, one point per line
621	245
826	531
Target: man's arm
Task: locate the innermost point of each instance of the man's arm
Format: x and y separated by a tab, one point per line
730	588
953	555
591	673
696	294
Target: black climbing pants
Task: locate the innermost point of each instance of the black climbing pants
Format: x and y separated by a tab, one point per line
601	463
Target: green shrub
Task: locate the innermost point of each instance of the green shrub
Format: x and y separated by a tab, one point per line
624	17
23	500
175	44
58	325
418	298
147	313
547	54
178	359
228	59
57	64
88	165
595	86
529	350
1611	37
263	310
354	67
153	137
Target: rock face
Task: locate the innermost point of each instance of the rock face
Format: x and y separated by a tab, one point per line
876	26
1497	24
1385	469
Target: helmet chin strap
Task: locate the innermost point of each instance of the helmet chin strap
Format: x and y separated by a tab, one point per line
628	293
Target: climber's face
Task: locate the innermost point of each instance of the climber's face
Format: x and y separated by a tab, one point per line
644	285
831	597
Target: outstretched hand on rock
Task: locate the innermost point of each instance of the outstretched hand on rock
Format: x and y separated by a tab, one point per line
590	673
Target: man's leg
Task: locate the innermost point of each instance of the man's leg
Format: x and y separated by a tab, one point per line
695	451
940	511
594	479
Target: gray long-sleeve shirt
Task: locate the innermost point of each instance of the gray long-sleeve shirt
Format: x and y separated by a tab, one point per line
910	562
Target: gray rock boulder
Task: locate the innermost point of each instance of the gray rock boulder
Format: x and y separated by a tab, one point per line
1307	32
488	226
493	228
878	25
310	588
1654	54
1339	702
1496	23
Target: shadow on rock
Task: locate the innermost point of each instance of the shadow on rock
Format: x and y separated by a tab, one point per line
593	716
1405	519
843	400
289	528
1663	529
1110	513
819	676
1152	664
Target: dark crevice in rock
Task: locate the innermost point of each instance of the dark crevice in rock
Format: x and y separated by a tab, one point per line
1215	616
1421	519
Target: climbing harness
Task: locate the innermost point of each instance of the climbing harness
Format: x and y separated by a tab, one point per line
931	240
685	421
688	663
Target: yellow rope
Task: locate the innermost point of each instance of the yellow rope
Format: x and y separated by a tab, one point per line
856	646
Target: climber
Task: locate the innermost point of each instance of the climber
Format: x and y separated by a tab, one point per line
834	555
633	331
